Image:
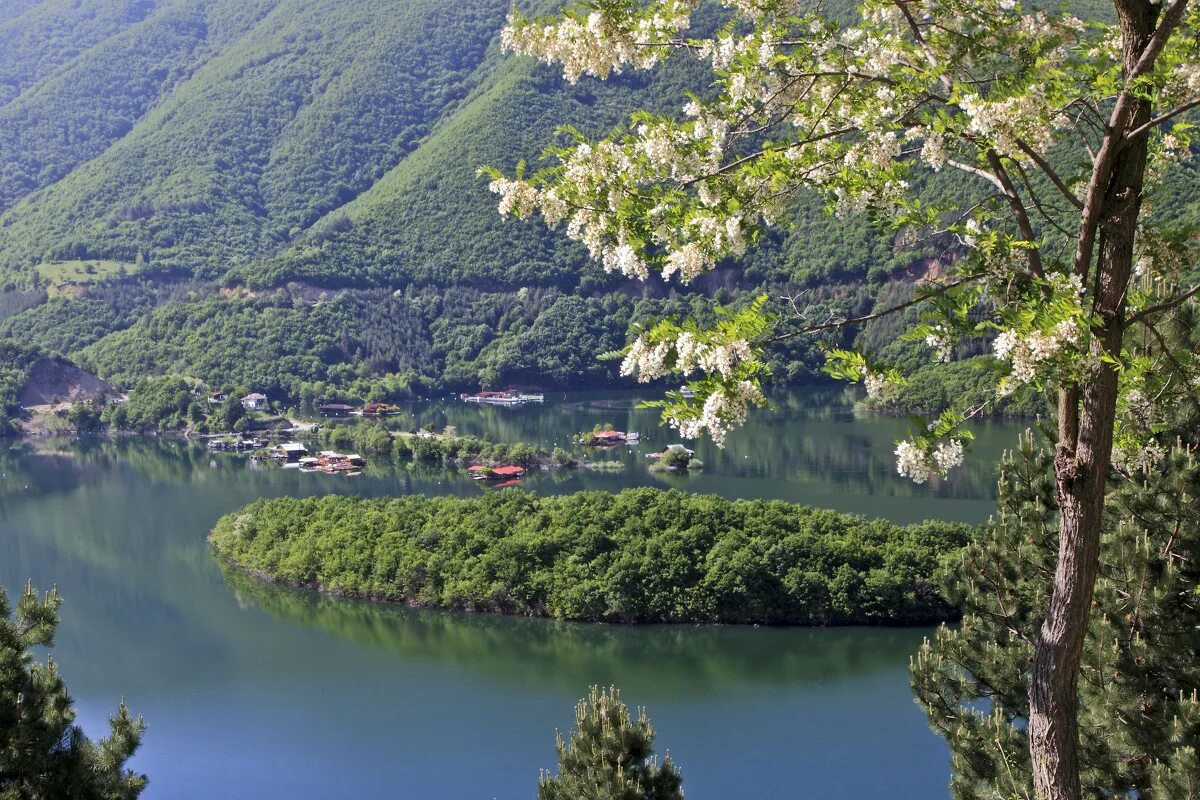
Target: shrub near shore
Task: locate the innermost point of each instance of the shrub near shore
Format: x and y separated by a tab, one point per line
447	449
641	555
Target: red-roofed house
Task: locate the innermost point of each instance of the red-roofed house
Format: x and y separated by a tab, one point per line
509	472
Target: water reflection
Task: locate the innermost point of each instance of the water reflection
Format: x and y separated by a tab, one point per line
258	691
705	661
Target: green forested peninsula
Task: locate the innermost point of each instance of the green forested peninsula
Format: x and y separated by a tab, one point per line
642	555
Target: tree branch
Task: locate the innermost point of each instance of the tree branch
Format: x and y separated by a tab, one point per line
1019	213
1161	118
1166	305
1050	173
824	326
1093	206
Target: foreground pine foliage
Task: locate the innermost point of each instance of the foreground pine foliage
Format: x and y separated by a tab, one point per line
1138	711
610	756
44	755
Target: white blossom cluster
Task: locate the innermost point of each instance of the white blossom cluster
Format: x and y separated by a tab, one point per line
1027	117
647	361
1131	459
598	45
516	197
934	152
1029	352
797	100
1183	84
941	341
879	386
723	410
921	465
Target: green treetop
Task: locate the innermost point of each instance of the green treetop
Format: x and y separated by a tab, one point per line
44	755
610	756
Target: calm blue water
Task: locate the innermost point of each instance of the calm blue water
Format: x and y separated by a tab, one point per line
253	691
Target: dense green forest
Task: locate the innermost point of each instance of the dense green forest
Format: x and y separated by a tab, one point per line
642	555
15	361
281	195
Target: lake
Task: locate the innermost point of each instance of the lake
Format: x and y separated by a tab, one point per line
254	691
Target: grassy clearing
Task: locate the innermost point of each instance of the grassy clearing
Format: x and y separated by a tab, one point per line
65	273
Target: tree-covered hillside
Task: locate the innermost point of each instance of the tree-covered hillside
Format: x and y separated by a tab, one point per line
333	142
295	112
233	190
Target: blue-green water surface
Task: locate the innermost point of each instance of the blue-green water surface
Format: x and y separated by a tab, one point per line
253	691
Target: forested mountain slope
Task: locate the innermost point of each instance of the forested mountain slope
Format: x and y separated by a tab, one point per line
282	195
294	116
92	100
334	142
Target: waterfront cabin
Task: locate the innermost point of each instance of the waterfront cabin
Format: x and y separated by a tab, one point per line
608	437
255	401
672	448
508	472
335	409
289	452
374	409
333	463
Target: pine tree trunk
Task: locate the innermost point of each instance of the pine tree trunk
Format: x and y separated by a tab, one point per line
1087	417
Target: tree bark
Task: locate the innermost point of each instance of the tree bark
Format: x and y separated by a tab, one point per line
1087	416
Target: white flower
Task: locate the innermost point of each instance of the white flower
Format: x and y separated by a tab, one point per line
1028	353
1131	458
722	411
913	462
948	455
1004	345
690	261
644	362
516	197
878	386
941	342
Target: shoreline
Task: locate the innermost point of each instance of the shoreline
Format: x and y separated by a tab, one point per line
526	555
375	600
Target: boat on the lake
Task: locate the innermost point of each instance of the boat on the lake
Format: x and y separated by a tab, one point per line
506	397
672	448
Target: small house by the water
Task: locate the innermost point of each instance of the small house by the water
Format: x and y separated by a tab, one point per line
289	451
507	472
333	463
335	409
254	401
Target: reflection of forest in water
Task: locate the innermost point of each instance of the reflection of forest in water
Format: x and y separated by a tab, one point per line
702	660
809	448
810	436
121	527
384	696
